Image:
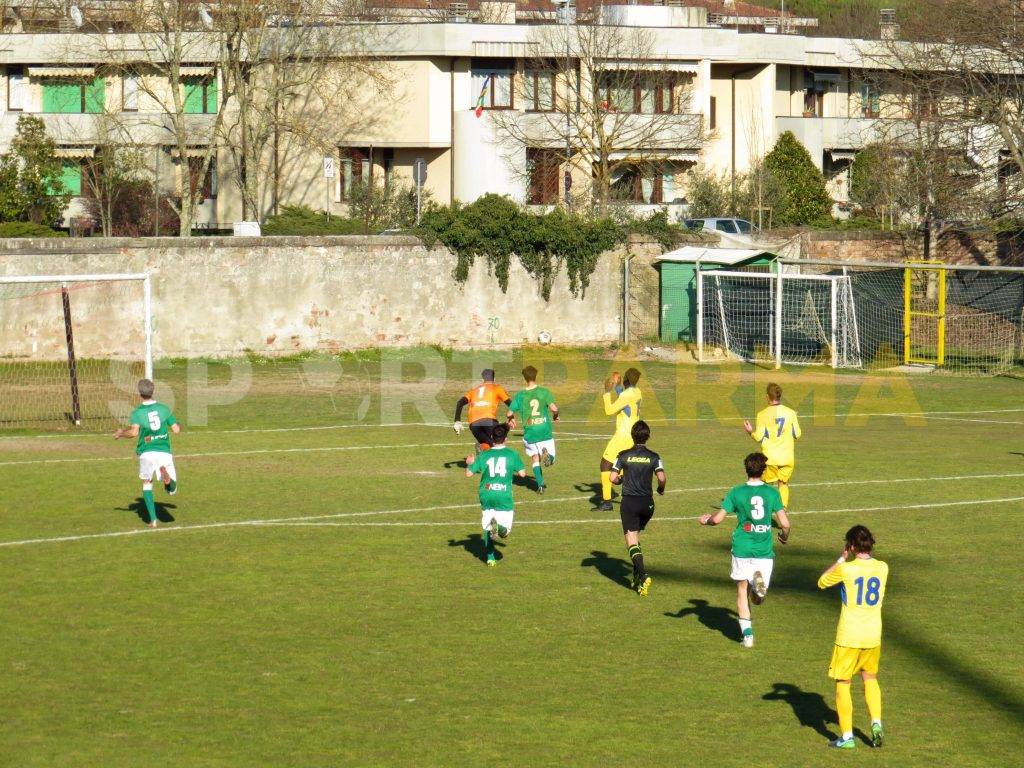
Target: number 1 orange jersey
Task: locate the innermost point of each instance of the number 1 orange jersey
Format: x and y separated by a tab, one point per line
484	401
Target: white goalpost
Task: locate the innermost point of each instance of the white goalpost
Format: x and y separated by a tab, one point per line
777	318
924	315
72	348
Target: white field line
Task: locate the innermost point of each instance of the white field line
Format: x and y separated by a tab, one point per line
260	451
979	421
656	518
683	420
445	507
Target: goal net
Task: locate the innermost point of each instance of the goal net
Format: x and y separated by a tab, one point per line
72	348
864	315
763	317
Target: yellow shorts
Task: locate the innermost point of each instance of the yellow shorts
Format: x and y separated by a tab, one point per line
616	445
847	662
774	473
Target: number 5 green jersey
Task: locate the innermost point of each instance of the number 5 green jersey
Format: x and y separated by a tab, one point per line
154	421
496	468
532	407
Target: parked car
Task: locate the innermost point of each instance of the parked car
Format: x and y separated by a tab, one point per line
729	226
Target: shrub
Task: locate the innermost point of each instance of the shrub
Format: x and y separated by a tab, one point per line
301	220
28	229
799	185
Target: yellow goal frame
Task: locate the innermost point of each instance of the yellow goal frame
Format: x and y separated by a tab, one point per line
909	313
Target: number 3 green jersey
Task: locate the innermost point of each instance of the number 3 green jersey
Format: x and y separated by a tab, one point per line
496	468
753	503
154	421
532	407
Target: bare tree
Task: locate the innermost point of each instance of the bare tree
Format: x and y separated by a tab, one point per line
602	97
107	175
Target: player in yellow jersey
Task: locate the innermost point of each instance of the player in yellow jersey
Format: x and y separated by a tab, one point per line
777	430
621	400
858	645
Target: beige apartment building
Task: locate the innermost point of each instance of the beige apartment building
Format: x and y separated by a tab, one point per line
481	104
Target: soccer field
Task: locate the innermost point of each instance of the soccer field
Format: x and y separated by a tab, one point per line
317	595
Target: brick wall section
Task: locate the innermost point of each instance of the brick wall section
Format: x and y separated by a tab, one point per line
981	248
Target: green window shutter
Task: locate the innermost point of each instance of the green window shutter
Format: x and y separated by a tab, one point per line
193	96
70	179
62	97
211	96
95	93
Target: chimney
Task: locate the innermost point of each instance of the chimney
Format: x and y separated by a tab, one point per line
887	26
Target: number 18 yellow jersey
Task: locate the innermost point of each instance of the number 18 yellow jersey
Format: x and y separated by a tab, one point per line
862	589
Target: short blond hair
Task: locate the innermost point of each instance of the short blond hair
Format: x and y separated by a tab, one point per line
774	392
146	388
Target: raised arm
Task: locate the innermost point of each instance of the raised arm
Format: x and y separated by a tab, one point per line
833	574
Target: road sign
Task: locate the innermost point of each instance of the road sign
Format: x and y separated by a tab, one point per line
328	167
419	171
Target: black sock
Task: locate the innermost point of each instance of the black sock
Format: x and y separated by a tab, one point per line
637	556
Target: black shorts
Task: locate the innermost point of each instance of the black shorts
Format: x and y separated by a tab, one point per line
482	431
636	512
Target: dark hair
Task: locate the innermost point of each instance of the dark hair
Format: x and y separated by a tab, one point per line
755	464
774	392
530	373
640	432
631	377
487	374
859	539
499	432
146	388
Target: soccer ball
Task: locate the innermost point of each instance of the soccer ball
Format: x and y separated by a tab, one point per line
544	337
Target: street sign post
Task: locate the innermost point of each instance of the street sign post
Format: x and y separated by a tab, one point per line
328	175
419	175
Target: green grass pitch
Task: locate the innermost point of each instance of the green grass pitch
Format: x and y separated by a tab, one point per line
319	598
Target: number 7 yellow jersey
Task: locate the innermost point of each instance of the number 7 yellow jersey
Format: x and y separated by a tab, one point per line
777	430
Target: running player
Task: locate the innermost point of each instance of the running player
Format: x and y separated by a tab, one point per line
753	556
635	469
536	407
496	466
858	645
483	401
152	422
626	410
777	430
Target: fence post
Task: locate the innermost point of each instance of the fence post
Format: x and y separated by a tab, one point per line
778	315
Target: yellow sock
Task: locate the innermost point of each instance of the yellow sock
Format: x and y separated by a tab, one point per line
844	706
606	486
784	493
873	696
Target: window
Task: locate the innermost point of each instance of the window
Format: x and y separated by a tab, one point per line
204	187
492	84
539	90
355	169
129	92
71	177
816	85
200	95
15	89
870	100
70	97
726	225
544	175
713	116
652	184
744	226
646	94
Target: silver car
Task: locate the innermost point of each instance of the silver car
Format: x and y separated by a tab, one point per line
729	226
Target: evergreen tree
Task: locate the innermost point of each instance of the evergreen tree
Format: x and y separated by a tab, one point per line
802	198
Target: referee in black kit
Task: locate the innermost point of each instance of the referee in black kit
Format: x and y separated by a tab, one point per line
635	469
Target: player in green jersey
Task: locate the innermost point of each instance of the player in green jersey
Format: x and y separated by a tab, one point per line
536	407
496	466
755	505
152	424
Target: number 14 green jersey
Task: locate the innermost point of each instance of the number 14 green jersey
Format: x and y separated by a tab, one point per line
496	468
532	406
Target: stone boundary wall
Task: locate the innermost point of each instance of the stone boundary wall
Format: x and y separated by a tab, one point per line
967	248
220	296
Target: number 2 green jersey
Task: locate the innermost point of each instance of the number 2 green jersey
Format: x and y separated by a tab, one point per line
496	468
154	421
753	503
532	408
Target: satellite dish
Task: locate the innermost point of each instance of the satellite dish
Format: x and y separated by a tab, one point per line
205	17
76	16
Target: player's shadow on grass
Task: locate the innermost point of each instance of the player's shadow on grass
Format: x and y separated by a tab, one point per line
612	568
594	489
474	545
458	464
713	617
139	508
811	709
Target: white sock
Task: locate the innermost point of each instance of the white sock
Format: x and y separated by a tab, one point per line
847	735
876	722
745	624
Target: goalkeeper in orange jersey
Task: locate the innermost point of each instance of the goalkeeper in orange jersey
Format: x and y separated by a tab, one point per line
777	430
483	401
